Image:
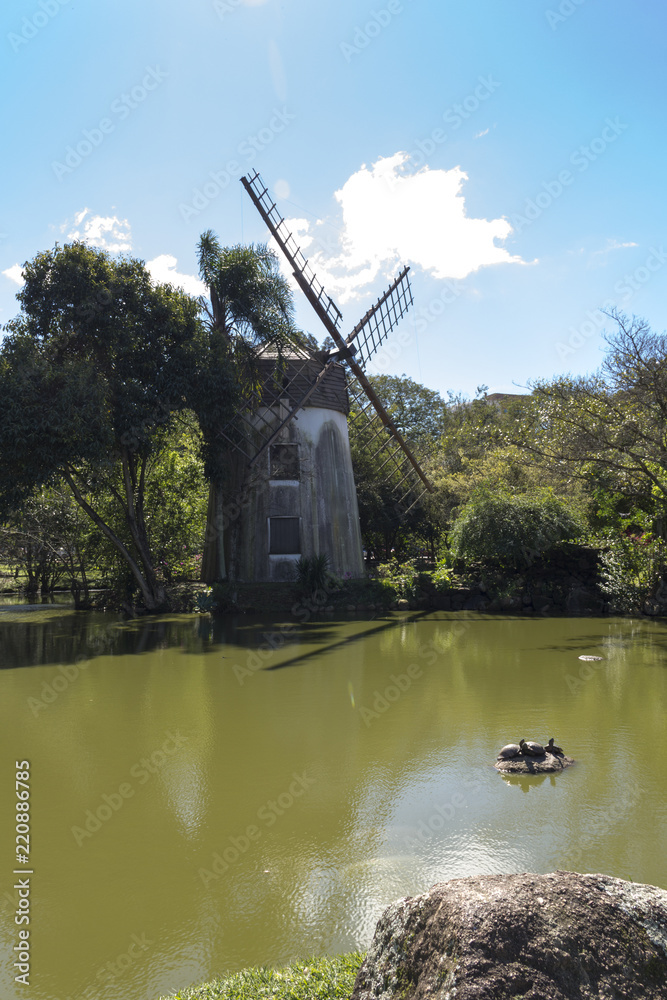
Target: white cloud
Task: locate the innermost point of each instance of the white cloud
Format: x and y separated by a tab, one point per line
392	216
613	244
163	270
15	274
105	231
480	134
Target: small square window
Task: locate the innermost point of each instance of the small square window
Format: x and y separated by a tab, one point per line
284	536
284	461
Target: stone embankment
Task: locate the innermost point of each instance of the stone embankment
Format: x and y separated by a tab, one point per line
562	936
565	582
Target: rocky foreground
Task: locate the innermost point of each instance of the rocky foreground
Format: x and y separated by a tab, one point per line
562	936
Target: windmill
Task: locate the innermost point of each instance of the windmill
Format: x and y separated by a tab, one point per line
297	495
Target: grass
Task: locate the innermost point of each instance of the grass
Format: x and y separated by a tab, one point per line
318	979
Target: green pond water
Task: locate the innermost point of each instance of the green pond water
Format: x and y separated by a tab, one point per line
207	797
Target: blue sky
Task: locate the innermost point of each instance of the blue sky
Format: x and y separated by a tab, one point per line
512	152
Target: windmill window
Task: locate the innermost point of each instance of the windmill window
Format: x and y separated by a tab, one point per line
284	536
284	461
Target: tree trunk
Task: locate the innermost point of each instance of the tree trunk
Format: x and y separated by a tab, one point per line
134	495
153	599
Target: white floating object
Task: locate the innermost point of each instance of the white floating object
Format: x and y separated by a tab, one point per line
590	657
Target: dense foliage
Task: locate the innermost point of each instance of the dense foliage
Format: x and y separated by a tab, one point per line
113	392
92	373
512	531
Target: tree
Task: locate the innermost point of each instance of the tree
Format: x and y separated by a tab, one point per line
418	413
610	428
510	531
92	373
251	306
251	301
49	539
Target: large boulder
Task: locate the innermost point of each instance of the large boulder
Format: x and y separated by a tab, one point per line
562	936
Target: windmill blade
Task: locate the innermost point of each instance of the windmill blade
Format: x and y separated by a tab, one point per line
396	299
323	304
381	447
380	320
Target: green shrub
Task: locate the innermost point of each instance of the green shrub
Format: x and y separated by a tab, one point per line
511	531
312	574
205	601
402	579
631	569
443	574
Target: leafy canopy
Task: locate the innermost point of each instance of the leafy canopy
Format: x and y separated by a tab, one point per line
510	531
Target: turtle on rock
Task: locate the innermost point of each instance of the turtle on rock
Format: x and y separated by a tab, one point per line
511	750
531	749
553	749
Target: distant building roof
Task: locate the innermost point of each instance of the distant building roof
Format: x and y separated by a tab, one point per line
497	397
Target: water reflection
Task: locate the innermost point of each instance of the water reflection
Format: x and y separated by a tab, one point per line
212	853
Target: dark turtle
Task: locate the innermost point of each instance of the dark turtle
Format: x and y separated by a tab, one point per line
530	749
552	749
511	750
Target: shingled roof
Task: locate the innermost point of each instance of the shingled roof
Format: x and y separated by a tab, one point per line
291	376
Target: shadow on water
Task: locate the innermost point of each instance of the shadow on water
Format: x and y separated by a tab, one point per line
348	640
43	637
39	638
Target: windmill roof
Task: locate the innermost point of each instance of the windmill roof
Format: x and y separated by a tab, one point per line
292	377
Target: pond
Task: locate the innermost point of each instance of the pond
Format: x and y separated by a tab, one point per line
211	796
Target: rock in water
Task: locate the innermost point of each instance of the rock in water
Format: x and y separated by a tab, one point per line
541	937
547	763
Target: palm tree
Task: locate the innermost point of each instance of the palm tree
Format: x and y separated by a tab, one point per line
250	309
251	301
